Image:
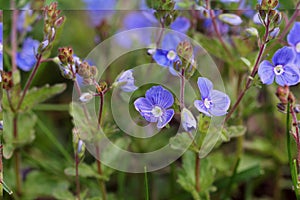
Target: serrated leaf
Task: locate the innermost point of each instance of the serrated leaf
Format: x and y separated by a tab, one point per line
25	129
186	177
37	95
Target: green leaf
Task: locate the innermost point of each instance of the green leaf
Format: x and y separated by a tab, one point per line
39	184
233	131
25	130
186	176
38	95
85	171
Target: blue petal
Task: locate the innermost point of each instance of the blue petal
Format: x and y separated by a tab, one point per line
170	42
160	57
144	107
220	103
289	77
283	56
205	86
181	24
293	36
137	20
266	72
127	79
173	71
26	57
165	118
159	96
200	106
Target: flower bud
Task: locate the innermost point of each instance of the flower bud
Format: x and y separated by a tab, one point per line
185	50
7	82
86	97
188	121
283	93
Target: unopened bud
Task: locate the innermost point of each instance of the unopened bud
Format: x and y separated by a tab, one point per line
86	97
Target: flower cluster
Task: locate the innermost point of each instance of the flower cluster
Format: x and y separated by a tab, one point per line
155	106
52	21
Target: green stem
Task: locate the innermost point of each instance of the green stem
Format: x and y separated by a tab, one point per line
17	157
292	162
77	175
197	173
146	184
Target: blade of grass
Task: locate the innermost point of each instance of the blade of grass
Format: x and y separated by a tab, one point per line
53	140
146	184
293	164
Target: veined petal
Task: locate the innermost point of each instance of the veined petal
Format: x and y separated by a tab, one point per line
181	24
220	103
165	118
266	72
201	107
157	95
283	56
205	86
290	76
144	107
160	57
293	36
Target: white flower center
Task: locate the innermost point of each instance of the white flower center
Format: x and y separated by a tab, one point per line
171	55
1	47
298	47
207	103
157	111
278	70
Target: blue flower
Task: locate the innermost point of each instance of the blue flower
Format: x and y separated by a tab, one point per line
126	81
1	46
22	24
154	107
166	56
209	27
99	10
282	69
26	57
293	39
213	102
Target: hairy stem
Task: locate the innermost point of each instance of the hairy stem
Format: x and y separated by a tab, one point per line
290	22
182	88
17	157
101	182
253	73
77	176
197	173
297	136
30	79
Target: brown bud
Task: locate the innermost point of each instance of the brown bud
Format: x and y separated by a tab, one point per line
283	93
7	80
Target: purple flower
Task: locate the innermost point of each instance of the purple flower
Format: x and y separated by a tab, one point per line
213	102
293	39
282	69
26	57
126	81
154	107
166	56
1	46
99	10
